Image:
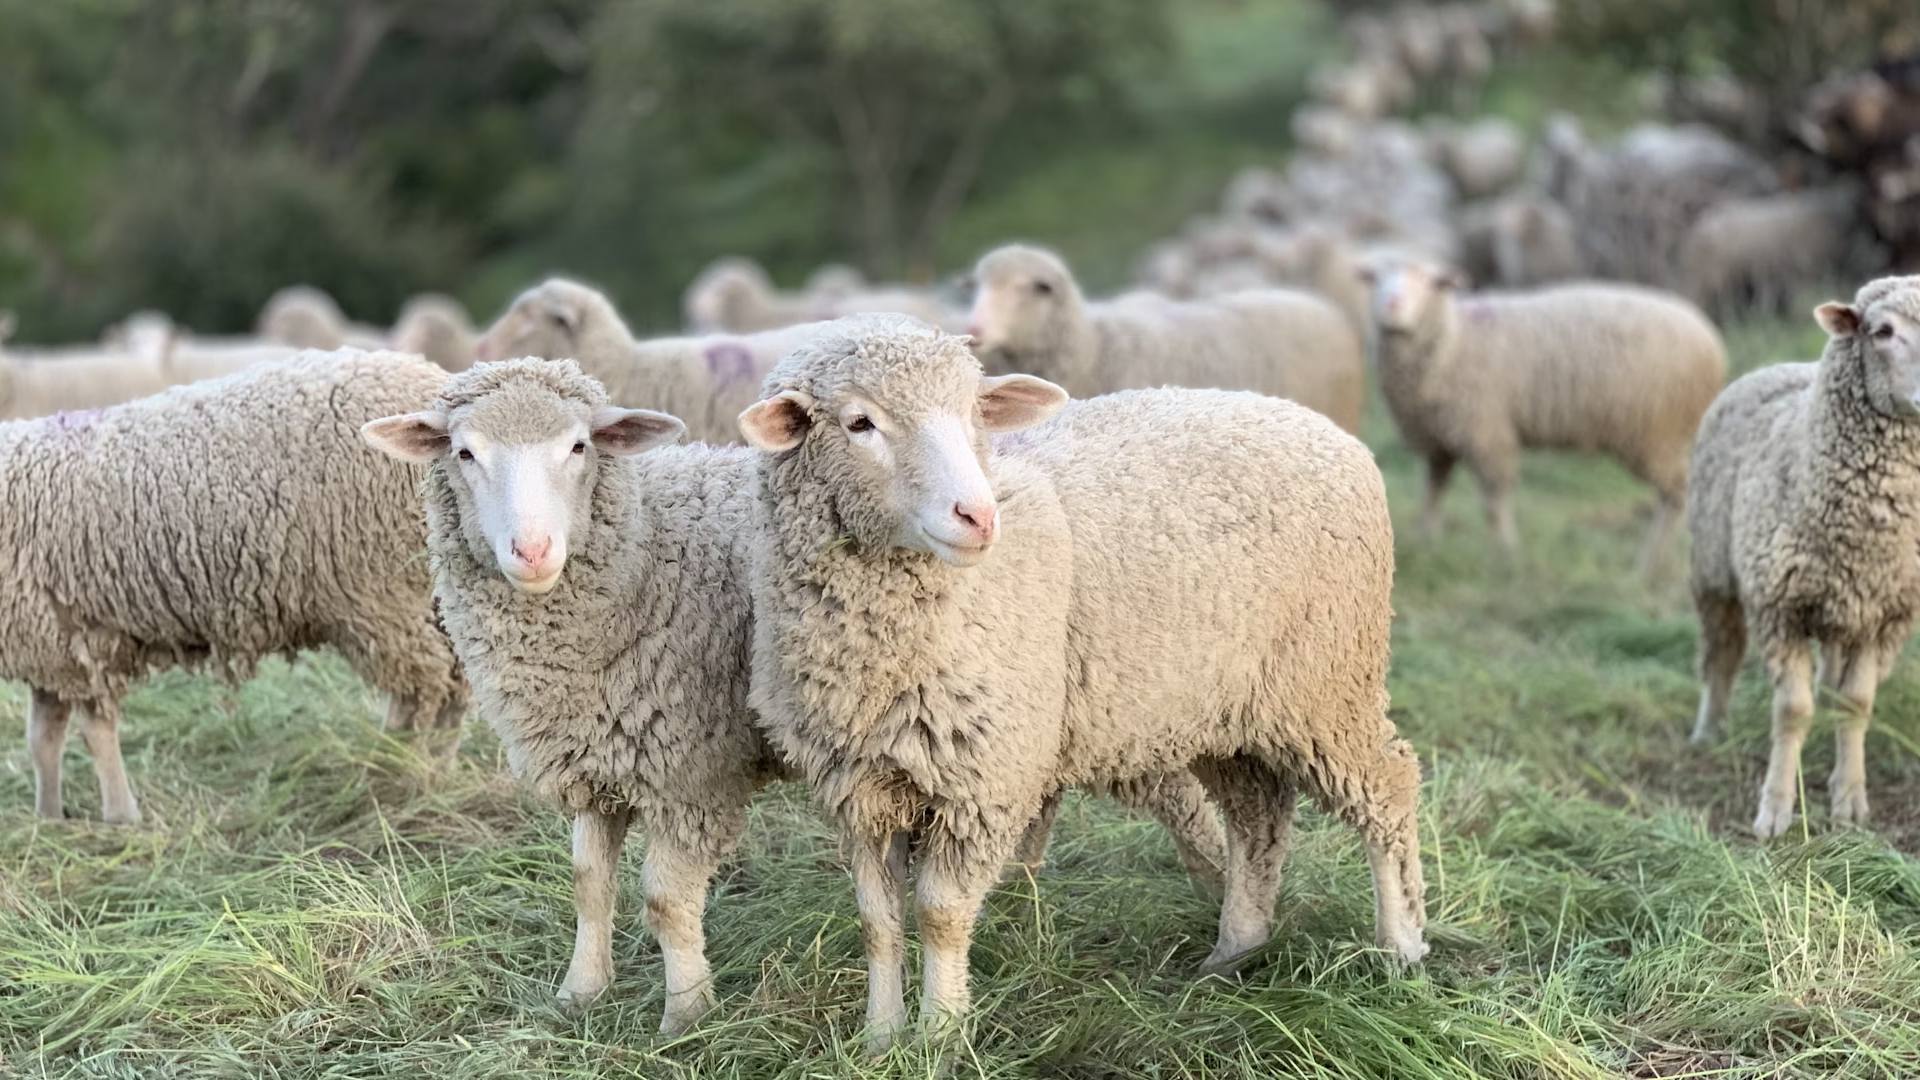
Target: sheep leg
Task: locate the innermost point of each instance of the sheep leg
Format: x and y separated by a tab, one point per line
100	727
1666	514
1257	803
1031	853
597	838
674	879
1379	796
46	737
948	898
879	875
1439	471
1723	642
1855	676
1792	714
1178	801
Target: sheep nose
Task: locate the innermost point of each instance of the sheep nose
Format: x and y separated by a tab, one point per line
532	553
974	332
981	519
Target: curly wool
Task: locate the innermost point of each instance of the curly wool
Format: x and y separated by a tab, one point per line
219	523
625	686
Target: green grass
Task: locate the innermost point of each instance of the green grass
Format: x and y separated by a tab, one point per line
308	900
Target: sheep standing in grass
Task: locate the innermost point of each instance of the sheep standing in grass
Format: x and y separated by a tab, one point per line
945	634
1474	379
1755	252
208	527
1029	316
600	602
1805	515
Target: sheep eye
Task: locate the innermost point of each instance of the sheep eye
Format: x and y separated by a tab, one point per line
580	448
1885	332
860	425
1044	288
464	454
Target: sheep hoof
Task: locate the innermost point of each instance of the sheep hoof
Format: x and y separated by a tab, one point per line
129	816
574	998
1849	806
1773	819
881	1037
685	1010
1225	966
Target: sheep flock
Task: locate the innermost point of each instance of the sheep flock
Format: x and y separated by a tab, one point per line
941	552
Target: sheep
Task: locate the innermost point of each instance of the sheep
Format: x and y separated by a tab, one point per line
703	381
945	634
1029	316
1481	158
832	282
1806	494
307	318
438	328
1755	252
1519	240
1323	130
34	383
207	527
598	596
1320	261
1474	379
734	295
1257	194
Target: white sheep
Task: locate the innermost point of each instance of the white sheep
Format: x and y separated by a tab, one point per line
1805	514
307	318
945	634
438	328
1474	379
1482	158
1756	252
734	295
207	527
1028	315
600	602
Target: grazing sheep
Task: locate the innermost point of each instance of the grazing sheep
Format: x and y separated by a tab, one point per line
945	634
703	381
1519	241
1481	158
1754	253
208	527
307	318
1029	316
438	328
600	602
1474	379
734	295
1805	515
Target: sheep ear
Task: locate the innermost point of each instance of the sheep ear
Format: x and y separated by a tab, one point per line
779	423
1837	319
625	432
1453	279
420	436
1012	402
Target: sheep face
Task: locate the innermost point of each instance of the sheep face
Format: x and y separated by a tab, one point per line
1404	291
901	447
1884	323
522	463
1020	295
545	321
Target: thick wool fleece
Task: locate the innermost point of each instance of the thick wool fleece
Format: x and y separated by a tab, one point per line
1613	368
1272	341
625	686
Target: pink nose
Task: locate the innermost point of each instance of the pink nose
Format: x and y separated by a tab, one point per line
532	553
980	520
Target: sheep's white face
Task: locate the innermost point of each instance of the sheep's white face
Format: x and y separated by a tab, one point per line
1015	297
522	467
545	322
1891	330
906	464
1403	292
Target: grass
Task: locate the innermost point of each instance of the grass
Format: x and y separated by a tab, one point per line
309	900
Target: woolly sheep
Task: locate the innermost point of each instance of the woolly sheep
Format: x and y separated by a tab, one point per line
1257	194
945	633
208	527
438	328
600	602
1320	129
307	318
1320	261
703	381
734	295
1806	495
35	383
1615	368
1518	241
1755	252
833	281
1029	316
1481	158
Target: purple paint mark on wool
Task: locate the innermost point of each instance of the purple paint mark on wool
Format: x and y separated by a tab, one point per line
1477	311
74	420
729	362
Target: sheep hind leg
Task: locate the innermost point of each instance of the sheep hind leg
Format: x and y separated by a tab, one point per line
1723	642
1178	801
1668	512
100	727
1031	853
1855	677
1257	803
597	839
1792	714
46	737
879	865
1387	813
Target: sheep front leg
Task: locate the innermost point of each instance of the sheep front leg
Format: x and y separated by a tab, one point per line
949	894
100	727
597	838
1792	713
675	879
46	737
879	875
1855	676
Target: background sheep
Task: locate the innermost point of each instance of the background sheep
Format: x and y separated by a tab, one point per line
1803	513
920	601
1481	158
208	527
1473	379
1755	252
438	328
1029	316
734	295
307	318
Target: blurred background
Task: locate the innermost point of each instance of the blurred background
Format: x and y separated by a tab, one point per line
195	155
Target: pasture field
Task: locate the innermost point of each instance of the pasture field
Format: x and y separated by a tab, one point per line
308	899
